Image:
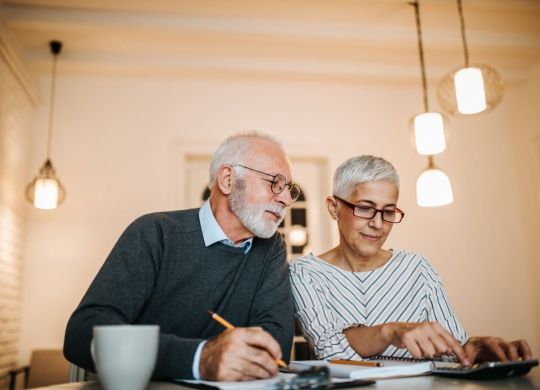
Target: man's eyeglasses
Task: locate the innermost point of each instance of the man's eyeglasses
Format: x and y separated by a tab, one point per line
279	182
367	212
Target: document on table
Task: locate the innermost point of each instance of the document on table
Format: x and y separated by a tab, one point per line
282	379
255	385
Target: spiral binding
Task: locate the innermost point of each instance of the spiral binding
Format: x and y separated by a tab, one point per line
397	358
443	358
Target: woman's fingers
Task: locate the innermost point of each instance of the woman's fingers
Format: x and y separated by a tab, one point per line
427	340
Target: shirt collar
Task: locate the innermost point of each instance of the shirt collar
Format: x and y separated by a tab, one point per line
213	233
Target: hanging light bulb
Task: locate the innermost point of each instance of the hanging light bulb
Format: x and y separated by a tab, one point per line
470	89
433	187
46	191
429	134
428	127
470	93
297	235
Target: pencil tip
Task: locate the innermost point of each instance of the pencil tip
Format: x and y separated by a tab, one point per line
210	312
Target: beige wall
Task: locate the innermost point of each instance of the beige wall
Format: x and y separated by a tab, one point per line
526	131
115	148
16	112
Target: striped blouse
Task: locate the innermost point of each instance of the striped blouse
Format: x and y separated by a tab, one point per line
329	299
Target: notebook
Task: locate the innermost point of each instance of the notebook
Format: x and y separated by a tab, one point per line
401	367
389	369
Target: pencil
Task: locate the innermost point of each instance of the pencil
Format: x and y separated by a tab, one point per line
228	325
357	363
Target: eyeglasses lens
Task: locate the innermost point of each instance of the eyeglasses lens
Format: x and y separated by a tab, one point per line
280	182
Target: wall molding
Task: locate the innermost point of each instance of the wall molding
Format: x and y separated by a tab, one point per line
9	55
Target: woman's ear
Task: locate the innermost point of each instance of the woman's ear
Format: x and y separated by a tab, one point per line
225	178
331	204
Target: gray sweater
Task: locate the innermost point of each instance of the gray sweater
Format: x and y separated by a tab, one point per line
160	272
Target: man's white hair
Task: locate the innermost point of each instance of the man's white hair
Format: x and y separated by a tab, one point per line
361	169
232	151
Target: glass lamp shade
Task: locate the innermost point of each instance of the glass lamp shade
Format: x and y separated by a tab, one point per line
429	133
46	194
433	188
297	235
470	94
46	191
472	90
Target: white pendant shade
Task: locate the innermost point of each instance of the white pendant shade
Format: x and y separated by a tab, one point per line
470	91
429	134
433	189
46	194
297	235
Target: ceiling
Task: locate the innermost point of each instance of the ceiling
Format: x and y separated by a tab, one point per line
328	39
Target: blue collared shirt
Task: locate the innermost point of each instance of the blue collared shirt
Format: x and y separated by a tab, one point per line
213	233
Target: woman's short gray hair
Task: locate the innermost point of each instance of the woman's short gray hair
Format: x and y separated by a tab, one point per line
232	151
361	169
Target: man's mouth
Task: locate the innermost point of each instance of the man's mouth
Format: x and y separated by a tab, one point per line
277	216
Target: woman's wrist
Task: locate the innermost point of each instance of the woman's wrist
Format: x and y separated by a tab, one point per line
387	333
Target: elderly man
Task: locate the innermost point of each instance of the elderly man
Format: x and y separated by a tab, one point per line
170	268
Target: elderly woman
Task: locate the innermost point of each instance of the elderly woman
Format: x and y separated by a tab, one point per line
358	299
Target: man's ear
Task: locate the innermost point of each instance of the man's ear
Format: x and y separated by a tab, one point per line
225	179
331	204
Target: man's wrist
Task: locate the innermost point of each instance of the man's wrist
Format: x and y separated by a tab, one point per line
197	360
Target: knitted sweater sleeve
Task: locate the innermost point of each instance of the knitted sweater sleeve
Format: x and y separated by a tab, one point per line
273	308
119	292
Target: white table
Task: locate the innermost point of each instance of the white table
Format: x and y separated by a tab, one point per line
529	381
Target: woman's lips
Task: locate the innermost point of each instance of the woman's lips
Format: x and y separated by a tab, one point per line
369	237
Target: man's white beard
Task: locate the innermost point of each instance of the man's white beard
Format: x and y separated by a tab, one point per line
252	215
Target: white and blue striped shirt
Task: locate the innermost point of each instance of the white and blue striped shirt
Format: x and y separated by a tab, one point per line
329	299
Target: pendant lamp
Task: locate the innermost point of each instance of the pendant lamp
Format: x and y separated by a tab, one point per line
433	187
429	127
472	88
46	191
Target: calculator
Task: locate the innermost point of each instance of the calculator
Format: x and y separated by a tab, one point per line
485	371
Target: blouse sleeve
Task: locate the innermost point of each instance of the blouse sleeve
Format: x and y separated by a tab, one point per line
438	306
317	318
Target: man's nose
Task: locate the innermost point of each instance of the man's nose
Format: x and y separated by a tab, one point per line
284	197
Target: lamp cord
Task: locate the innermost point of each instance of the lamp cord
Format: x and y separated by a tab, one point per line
51	105
463	38
421	52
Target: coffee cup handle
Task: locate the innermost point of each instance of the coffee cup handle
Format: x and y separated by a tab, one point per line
92	350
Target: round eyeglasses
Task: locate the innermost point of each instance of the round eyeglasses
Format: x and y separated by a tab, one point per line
368	212
278	183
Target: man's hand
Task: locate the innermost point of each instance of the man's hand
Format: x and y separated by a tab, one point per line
489	349
240	354
424	340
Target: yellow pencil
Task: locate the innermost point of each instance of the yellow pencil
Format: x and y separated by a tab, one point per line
357	363
228	325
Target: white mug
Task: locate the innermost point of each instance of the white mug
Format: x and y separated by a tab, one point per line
125	355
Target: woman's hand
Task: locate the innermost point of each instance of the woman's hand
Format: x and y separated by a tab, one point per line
489	349
424	340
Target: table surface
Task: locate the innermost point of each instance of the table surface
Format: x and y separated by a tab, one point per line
529	381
